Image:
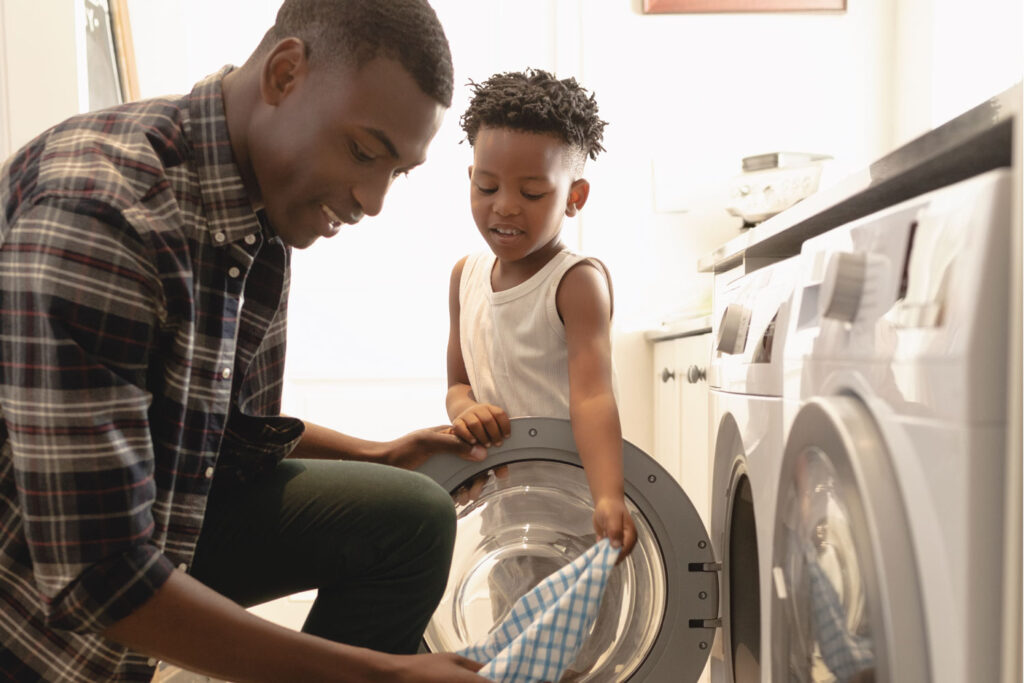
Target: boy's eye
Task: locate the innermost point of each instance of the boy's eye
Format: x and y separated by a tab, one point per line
486	190
531	196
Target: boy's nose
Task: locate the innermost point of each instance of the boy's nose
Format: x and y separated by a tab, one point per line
504	207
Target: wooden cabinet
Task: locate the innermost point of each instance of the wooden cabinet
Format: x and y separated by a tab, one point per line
681	414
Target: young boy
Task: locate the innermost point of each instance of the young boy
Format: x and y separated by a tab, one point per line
530	322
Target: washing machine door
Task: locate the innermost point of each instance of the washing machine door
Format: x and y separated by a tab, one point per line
846	603
526	511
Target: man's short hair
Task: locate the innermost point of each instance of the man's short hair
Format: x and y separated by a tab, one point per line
354	32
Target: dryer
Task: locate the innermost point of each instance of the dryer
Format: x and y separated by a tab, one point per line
750	319
887	554
526	511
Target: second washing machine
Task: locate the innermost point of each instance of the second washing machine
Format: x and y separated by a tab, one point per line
888	560
751	313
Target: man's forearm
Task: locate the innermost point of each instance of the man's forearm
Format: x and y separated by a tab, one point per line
189	624
322	443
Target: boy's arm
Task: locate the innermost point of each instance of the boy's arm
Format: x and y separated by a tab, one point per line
584	302
472	421
460	396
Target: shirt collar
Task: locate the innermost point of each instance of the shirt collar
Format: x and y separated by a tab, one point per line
229	213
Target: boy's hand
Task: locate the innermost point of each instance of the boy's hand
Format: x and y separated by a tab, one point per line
612	520
482	424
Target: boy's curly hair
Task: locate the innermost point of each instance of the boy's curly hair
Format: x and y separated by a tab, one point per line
534	101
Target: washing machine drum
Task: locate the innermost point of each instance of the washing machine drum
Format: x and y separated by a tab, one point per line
526	511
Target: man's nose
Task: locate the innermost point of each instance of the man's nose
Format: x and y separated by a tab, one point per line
370	193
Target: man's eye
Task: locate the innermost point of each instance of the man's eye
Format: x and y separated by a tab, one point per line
359	153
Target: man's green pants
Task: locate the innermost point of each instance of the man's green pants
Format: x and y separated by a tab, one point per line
375	541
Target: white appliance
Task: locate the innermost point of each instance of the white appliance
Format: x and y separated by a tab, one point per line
750	319
887	556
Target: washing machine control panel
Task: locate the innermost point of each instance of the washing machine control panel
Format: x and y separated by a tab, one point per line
854	286
732	333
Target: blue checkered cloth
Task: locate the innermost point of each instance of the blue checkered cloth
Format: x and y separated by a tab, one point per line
546	628
845	653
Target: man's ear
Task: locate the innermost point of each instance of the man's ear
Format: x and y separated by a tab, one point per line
578	193
283	68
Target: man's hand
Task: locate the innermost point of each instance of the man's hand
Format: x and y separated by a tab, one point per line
612	520
482	423
413	449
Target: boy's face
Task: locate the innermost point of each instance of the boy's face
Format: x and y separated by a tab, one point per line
327	148
521	187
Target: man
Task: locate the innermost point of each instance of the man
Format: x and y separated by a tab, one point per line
149	484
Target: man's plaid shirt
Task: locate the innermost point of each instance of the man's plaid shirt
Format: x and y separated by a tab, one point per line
130	372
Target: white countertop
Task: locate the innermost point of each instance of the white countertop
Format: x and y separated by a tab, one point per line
681	327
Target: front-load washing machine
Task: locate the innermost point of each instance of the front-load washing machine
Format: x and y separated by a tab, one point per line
526	511
750	319
887	558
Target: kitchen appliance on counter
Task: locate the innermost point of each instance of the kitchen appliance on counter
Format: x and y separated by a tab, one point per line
771	183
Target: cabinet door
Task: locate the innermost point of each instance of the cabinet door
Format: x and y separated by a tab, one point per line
692	354
681	419
667	406
681	415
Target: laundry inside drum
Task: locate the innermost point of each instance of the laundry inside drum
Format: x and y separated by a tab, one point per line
518	524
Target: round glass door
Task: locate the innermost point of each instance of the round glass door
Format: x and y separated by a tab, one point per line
518	524
525	512
845	606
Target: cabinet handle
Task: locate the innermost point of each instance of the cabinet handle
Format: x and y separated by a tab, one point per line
695	374
666	375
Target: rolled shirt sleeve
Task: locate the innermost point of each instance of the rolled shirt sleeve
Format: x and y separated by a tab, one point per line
81	309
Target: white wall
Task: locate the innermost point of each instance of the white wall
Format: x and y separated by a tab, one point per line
687	96
39	83
952	55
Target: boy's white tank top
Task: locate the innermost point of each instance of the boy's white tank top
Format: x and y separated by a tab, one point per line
513	342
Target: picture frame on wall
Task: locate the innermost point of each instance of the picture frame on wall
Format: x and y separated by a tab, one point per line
124	50
718	6
107	75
